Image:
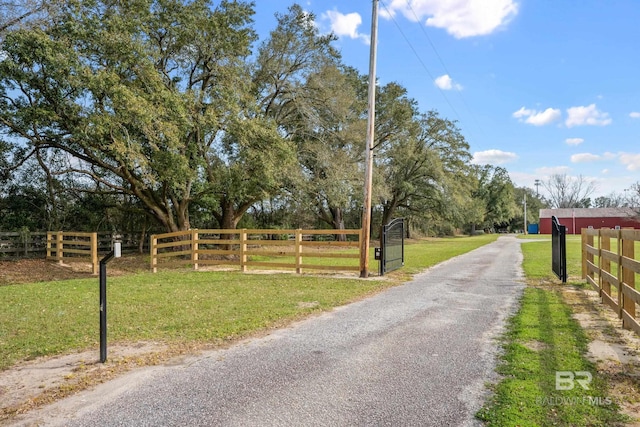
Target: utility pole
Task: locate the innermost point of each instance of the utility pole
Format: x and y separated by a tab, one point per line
537	184
368	172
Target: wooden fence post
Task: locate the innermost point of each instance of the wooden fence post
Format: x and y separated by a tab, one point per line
628	278
605	264
299	251
590	242
154	253
194	248
243	250
94	253
584	241
59	248
49	240
619	275
24	235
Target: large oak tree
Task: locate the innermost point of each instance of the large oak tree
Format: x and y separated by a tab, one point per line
150	98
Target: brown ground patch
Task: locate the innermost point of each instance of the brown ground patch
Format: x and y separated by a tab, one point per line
31	385
615	351
535	345
33	270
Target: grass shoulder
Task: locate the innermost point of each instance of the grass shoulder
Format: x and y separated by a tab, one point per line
546	376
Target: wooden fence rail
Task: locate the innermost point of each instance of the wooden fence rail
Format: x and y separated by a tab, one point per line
609	265
62	245
32	244
249	248
22	243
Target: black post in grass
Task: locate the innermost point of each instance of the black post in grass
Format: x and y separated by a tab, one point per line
115	253
559	249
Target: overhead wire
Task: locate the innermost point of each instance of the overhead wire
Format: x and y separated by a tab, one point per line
415	52
435	50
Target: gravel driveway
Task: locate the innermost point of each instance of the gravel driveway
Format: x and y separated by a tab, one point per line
415	355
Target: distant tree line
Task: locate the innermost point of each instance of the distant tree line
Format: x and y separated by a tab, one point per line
166	115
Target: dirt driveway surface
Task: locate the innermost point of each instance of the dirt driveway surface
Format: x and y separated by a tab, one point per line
418	354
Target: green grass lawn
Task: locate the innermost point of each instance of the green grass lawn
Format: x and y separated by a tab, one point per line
541	340
184	306
427	254
537	259
55	317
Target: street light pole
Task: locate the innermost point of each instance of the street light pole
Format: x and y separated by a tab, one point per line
368	172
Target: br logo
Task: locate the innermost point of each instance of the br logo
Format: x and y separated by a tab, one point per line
566	380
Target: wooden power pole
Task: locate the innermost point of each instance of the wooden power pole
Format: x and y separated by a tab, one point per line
368	172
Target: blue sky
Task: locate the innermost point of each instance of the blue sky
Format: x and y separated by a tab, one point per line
537	86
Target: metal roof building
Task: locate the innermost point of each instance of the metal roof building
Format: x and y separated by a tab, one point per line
575	219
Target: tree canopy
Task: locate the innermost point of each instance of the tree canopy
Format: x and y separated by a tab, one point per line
174	111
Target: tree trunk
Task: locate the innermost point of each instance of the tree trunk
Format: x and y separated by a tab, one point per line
54	219
389	208
166	219
338	223
228	220
143	236
182	214
386	216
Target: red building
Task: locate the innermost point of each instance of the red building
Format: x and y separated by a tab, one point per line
575	219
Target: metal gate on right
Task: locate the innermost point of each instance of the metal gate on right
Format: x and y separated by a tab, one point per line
392	246
559	249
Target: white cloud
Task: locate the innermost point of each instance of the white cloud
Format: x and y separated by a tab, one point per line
632	161
589	157
587	116
585	158
634	115
522	112
494	157
553	170
446	83
345	25
545	117
461	18
574	141
538	118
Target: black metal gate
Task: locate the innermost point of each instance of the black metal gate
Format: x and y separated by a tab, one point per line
559	249
392	246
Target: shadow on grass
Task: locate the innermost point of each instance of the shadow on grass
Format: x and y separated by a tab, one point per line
543	339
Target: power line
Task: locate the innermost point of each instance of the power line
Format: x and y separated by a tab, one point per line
446	98
419	58
435	50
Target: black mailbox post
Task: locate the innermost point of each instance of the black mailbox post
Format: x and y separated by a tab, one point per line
115	253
